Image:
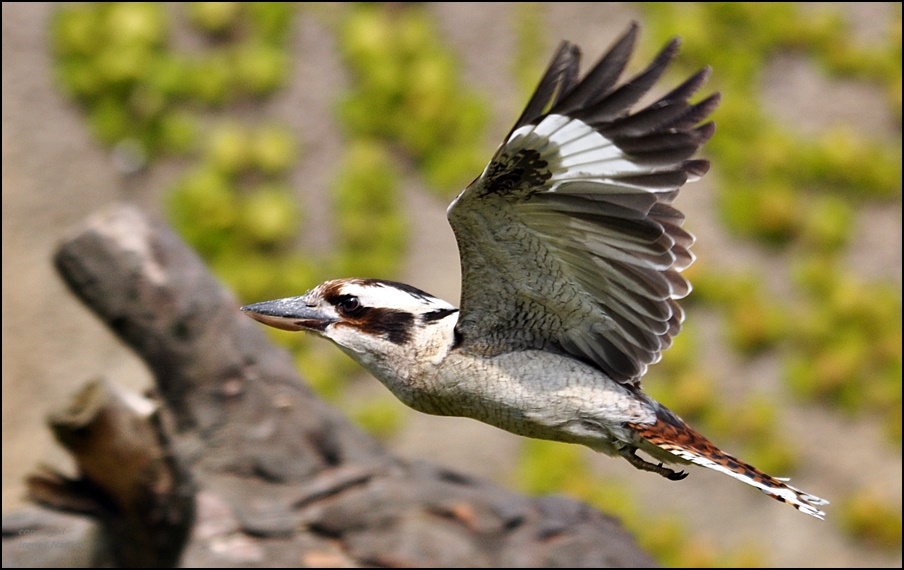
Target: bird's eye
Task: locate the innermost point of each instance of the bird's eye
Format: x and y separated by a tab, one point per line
350	305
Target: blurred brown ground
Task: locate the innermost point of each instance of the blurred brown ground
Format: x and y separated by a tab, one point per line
54	176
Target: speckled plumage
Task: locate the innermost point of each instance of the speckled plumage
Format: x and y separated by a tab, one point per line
571	270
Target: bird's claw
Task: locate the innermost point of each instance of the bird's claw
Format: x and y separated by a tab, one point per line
675	475
630	453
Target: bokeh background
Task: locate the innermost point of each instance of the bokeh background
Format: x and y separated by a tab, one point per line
290	143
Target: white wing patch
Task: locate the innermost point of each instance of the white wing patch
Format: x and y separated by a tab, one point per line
575	151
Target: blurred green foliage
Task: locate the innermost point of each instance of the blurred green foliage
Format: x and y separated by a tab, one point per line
846	344
379	417
407	91
369	217
104	58
531	52
116	59
868	515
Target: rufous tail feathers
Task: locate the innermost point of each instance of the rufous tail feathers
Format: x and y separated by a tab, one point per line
671	434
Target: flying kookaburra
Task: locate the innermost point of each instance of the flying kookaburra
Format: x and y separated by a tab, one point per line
571	254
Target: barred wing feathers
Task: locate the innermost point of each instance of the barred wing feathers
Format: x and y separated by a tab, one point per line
568	240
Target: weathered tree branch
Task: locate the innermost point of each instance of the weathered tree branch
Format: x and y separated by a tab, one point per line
128	480
283	478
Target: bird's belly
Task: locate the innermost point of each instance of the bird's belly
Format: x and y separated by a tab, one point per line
538	394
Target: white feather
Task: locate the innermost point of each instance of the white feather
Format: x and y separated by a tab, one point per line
803	502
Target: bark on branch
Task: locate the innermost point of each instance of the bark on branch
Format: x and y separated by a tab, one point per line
129	481
283	478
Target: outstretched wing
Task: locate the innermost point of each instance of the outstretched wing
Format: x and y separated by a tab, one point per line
568	239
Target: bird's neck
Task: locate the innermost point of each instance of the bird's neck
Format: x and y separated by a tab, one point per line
413	370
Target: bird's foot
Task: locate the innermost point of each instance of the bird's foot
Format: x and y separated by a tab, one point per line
630	453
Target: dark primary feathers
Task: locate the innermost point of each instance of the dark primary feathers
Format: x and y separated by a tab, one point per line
568	239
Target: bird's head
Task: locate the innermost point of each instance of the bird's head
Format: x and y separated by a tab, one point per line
381	324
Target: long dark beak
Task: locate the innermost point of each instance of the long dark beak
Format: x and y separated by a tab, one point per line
290	314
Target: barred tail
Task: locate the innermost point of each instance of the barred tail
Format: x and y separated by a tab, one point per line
671	434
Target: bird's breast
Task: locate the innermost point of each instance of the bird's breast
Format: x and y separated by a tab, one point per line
532	393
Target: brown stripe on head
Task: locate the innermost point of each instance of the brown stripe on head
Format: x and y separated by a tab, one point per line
393	324
383	308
